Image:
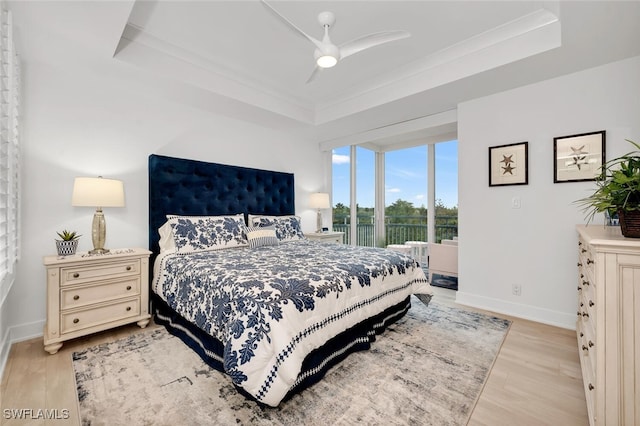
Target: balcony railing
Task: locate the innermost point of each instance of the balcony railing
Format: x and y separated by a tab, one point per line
397	232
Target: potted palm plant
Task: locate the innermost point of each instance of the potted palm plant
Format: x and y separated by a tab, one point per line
68	243
618	192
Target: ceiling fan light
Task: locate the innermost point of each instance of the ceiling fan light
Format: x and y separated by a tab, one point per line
326	61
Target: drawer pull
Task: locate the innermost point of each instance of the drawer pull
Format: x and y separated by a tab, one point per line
581	304
585	282
591	387
579	288
591	303
584	314
128	268
76	275
589	261
76	297
581	334
128	308
128	287
579	264
584	348
591	344
583	250
76	320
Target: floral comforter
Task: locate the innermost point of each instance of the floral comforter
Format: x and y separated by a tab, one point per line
271	306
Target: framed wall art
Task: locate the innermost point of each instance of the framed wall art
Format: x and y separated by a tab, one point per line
508	164
578	158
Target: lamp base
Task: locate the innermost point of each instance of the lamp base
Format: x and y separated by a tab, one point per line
319	223
99	251
98	233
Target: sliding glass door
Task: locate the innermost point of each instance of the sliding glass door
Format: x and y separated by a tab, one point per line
382	198
365	197
446	191
406	195
341	191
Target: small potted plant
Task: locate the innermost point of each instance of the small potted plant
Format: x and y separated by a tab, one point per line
68	243
618	192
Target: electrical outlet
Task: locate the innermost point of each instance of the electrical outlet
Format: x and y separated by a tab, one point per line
516	289
515	203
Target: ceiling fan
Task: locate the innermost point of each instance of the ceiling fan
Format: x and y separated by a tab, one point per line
328	54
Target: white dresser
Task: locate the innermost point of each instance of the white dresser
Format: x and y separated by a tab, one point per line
608	324
90	293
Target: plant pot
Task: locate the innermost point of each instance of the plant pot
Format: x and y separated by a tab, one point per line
630	223
66	248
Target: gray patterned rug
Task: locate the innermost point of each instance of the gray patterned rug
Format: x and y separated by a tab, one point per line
427	369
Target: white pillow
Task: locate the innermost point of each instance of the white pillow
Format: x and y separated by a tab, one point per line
166	238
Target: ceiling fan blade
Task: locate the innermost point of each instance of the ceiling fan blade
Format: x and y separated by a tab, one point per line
314	74
359	44
291	25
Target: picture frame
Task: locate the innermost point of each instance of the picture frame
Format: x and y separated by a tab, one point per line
578	158
509	164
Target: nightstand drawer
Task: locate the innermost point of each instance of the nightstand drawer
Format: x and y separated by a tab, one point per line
326	237
105	271
74	297
72	321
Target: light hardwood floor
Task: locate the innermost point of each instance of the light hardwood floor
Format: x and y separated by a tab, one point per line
535	380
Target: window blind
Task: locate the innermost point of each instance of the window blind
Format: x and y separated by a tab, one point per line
9	154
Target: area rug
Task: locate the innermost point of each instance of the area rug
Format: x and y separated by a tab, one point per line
427	369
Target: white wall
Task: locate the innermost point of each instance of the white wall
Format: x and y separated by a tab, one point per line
535	246
87	114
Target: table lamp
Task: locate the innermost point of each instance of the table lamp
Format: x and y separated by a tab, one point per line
319	200
98	192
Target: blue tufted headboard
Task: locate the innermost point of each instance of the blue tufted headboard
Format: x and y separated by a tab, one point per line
190	187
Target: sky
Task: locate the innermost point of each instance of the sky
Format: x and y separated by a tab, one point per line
405	175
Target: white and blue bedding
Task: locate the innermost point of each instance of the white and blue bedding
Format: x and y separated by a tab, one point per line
272	305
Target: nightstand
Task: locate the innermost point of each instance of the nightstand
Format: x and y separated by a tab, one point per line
90	293
326	237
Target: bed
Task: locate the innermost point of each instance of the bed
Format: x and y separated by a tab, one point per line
234	278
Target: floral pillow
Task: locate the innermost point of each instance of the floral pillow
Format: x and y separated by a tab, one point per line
287	227
262	236
201	233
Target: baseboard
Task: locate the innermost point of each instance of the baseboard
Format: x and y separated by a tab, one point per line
17	334
532	313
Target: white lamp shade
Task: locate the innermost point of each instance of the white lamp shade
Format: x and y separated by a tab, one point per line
97	192
319	200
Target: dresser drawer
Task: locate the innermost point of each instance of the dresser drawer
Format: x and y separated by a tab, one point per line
79	319
586	260
77	296
82	274
587	345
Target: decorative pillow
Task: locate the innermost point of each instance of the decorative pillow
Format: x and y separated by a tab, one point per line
166	238
287	227
262	236
201	233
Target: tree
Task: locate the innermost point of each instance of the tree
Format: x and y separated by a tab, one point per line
341	213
